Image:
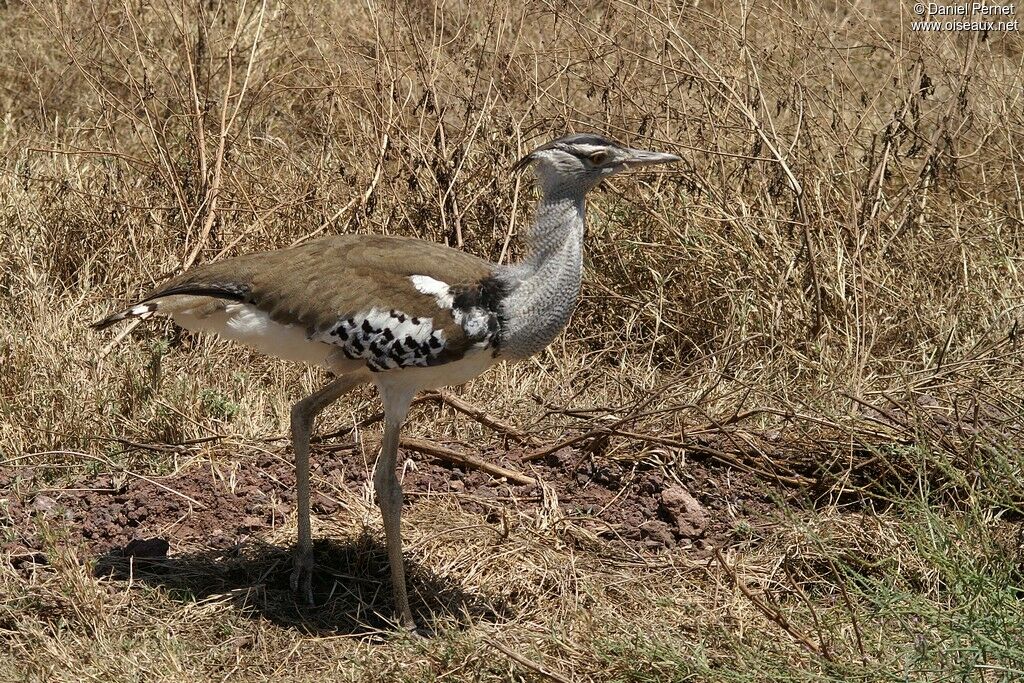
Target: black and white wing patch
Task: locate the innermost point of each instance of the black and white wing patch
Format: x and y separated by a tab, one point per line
386	339
475	308
390	339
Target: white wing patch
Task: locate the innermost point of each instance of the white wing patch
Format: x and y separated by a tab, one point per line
475	322
441	292
385	339
141	310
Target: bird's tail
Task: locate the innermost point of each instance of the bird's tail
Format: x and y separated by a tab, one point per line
143	310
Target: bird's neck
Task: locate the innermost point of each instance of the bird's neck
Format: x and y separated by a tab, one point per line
543	289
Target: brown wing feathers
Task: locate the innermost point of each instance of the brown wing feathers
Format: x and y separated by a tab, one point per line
346	284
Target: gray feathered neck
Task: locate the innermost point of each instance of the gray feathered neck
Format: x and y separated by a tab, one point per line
544	288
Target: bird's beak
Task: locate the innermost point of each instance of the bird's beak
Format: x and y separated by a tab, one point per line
522	163
642	157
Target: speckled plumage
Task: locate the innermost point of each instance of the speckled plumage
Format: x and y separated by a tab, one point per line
386	339
545	287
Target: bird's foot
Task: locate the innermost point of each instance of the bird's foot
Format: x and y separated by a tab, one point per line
407	624
302	574
415	632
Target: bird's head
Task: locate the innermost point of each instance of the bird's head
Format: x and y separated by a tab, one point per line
584	159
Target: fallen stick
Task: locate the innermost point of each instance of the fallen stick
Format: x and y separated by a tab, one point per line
772	614
571	441
528	663
119	338
721	456
480	416
365	422
444	453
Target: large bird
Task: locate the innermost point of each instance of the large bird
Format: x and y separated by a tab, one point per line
403	314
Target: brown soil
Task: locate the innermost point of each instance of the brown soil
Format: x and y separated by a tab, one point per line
131	516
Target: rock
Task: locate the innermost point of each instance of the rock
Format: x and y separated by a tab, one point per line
323	505
657	533
43	503
683	510
253	522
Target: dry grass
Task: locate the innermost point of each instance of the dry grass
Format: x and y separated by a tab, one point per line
827	294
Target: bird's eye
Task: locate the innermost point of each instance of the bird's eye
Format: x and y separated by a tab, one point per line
598	158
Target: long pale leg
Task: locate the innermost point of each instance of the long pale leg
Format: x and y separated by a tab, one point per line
389	498
303	414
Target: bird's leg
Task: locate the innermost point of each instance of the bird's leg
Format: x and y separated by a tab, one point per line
303	414
389	498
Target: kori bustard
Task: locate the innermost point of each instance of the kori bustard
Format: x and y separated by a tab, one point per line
403	314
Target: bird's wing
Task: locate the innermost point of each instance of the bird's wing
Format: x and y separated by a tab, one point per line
392	301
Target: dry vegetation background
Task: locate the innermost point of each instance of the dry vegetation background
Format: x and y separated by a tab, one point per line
823	300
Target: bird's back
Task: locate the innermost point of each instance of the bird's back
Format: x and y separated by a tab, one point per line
388	302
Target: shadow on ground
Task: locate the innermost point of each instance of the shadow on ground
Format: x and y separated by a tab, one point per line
351	587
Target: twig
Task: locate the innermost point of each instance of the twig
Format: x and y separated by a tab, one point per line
226	124
326	224
160	447
849	607
804	599
481	416
361	199
636	411
428	448
453	401
772	614
529	664
384	142
931	153
715	453
345	431
721	456
559	445
119	338
213	191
